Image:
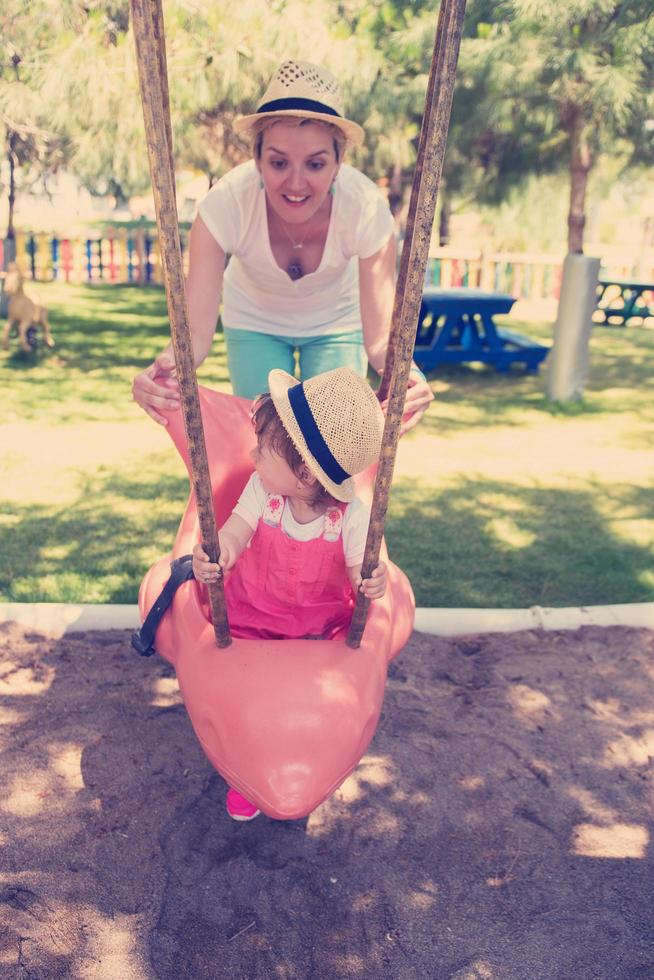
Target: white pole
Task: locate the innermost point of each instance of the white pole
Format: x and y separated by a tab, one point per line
569	360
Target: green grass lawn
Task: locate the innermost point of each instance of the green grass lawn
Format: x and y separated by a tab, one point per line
500	499
104	335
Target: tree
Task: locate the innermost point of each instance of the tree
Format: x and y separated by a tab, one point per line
220	58
541	85
390	101
32	146
92	67
574	80
590	58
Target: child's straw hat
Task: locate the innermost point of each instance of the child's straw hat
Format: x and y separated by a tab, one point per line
335	422
299	88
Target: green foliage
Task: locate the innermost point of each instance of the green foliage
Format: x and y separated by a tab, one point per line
83	76
533	79
529	73
94	72
530	218
32	145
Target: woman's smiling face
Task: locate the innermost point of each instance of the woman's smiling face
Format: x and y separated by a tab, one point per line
297	165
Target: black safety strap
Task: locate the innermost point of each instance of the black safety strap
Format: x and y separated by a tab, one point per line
181	570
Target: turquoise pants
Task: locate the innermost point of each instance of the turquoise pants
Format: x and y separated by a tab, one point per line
252	355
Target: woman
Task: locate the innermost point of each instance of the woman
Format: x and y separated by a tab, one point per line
312	253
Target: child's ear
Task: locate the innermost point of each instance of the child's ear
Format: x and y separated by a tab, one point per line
306	477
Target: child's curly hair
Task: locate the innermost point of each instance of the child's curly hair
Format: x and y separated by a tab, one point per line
270	432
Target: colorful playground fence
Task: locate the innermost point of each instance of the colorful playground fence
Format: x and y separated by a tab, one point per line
524	275
123	256
118	257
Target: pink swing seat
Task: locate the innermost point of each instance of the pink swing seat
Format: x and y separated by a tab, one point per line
283	721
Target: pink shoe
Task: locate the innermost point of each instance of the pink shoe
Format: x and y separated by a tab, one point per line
239	808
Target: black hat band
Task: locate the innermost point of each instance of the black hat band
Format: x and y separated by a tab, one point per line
305	105
314	437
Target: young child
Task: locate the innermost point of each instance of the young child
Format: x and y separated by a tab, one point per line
295	540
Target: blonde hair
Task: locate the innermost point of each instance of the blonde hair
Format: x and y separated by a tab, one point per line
261	125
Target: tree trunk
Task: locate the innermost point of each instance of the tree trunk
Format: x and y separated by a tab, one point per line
444	220
580	164
395	189
12	186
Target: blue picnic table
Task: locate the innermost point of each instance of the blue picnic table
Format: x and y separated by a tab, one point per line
458	325
618	300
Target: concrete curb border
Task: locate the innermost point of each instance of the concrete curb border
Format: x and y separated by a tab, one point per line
59	618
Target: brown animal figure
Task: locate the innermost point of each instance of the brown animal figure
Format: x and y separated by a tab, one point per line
23	312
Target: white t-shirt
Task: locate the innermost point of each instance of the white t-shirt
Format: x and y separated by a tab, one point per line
251	507
257	294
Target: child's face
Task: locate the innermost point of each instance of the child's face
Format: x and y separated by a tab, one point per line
276	475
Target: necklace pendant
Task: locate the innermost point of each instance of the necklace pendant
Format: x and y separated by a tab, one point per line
294	269
299	245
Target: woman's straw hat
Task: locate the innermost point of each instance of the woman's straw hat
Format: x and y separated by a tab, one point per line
335	422
299	88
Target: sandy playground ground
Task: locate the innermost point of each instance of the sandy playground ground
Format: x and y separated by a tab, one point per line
499	827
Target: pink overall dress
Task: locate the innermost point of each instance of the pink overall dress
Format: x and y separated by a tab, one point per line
281	588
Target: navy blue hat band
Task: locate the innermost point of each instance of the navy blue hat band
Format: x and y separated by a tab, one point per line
305	105
313	436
